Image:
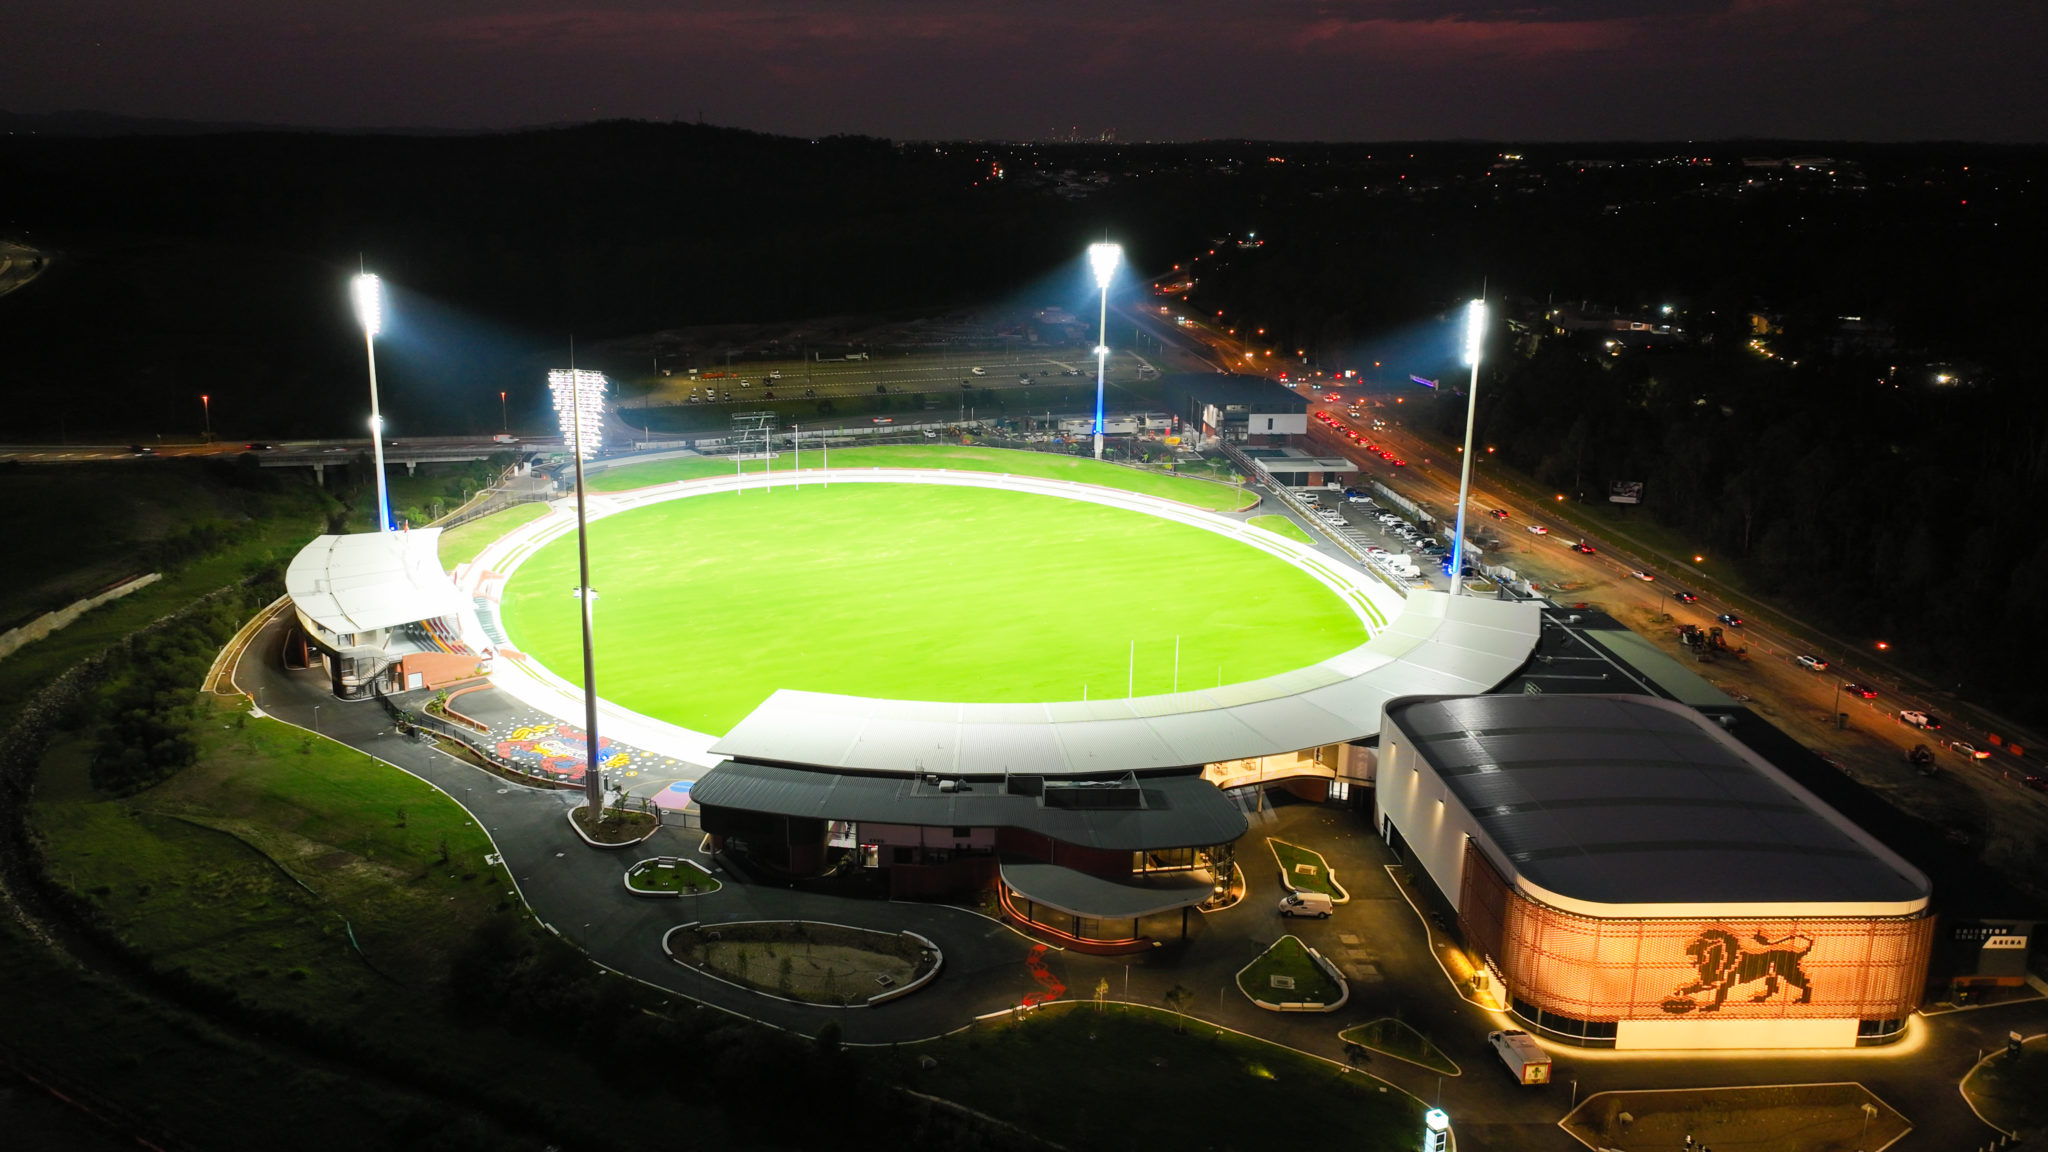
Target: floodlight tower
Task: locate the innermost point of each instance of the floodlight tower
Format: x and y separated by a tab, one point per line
368	292
1102	258
579	404
1475	334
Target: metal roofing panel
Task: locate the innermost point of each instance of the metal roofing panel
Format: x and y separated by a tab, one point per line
1636	800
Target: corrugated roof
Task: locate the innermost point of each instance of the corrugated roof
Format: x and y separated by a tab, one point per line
1438	643
369	580
1179	811
1635	800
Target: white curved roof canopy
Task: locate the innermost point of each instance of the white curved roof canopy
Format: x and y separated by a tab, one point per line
369	580
1438	644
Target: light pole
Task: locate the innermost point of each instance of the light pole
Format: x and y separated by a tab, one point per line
369	299
504	421
1102	259
206	413
1475	331
593	775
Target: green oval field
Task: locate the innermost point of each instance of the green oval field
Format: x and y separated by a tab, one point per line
707	605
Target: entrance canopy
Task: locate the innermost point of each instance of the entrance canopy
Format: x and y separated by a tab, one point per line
1079	894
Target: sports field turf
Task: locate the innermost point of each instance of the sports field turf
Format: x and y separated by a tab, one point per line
1209	494
708	604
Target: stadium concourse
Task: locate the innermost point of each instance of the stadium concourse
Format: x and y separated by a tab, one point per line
1100	823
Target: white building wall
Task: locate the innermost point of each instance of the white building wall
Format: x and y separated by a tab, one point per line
1704	1032
1413	797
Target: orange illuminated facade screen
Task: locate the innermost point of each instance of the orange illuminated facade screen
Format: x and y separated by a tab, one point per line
1599	970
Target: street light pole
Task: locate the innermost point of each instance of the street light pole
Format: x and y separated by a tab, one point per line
206	413
504	421
1102	259
369	299
1475	331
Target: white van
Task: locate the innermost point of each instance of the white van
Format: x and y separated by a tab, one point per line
1314	904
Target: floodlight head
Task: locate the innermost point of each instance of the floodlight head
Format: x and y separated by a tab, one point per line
368	292
1475	329
1102	258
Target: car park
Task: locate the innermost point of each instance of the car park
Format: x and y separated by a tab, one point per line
1730	619
1812	663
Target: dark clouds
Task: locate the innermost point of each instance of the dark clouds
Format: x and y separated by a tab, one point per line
1354	69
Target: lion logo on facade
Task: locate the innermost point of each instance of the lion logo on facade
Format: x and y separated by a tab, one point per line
1725	964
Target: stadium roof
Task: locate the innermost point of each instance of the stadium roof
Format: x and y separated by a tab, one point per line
1437	644
370	580
1632	800
1164	811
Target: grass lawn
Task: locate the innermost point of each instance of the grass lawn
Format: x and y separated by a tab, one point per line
1306	870
1187	490
1088	1079
711	603
1391	1037
1287	959
251	868
461	545
1281	526
670	876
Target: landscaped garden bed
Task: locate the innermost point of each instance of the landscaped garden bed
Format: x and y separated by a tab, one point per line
614	828
1291	977
1390	1037
1812	1117
1305	870
806	961
669	876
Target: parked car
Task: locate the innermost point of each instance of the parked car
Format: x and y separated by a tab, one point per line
1918	719
1811	663
1307	904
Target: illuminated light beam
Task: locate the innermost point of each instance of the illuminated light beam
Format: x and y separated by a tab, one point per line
579	407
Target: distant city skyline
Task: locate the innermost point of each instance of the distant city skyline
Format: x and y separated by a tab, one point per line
952	69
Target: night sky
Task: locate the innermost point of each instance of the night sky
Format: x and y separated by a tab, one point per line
1150	69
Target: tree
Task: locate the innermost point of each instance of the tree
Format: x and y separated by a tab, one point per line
1177	998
